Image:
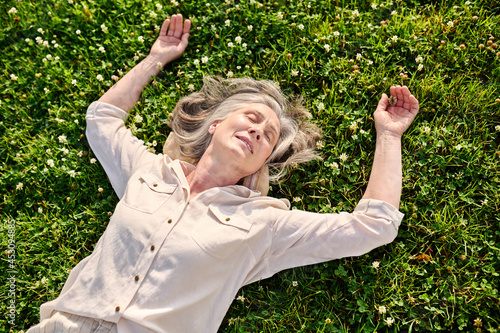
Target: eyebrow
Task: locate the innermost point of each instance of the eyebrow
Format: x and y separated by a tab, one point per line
273	128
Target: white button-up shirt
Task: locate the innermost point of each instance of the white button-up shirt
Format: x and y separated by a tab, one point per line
169	264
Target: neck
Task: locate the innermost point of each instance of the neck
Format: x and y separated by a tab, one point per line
209	173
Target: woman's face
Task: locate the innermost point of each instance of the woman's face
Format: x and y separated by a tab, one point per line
247	137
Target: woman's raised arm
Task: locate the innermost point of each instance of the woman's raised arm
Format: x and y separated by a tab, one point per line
391	121
169	46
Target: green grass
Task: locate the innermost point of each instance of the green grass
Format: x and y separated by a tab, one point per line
442	271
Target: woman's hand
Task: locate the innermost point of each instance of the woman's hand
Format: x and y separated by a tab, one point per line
394	119
173	39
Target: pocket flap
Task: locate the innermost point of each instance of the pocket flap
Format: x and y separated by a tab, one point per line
156	184
230	219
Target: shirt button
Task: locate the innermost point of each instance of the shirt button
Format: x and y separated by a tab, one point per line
152	248
155	185
227	218
136	278
169	221
117	309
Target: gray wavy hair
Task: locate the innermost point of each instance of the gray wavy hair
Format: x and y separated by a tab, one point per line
219	97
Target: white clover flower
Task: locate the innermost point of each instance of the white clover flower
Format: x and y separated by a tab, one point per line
419	60
191	87
50	163
138	118
40	30
62	139
238	40
355	13
46	90
334	165
426	130
19	186
450	24
295	283
343	157
300	26
374	6
353	126
382	309
13	77
159	6
327	47
394	39
389	321
204	59
227	23
295	72
73	82
40	210
497	128
230	74
320	106
152	14
230	44
420	67
65	151
78	32
250	27
72	173
484	202
102	49
13	10
27	40
376	264
244	45
99	77
104	28
93	160
394	12
336	33
140	39
196	62
159	65
240	298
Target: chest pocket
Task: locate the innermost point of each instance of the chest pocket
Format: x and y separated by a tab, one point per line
220	233
148	193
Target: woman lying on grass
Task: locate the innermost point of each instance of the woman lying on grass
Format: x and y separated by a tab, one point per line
185	237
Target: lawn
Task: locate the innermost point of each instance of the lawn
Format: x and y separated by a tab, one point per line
442	271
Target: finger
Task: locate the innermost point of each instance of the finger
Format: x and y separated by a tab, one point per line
164	27
178	27
383	102
406	97
399	95
393	91
173	21
414	105
187	27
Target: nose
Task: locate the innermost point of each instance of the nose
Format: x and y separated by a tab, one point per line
257	132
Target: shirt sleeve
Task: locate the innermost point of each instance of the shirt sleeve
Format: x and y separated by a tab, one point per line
117	149
304	238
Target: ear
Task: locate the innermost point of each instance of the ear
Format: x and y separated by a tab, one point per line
212	127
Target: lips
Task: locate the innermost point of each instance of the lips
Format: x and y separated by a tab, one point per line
247	142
